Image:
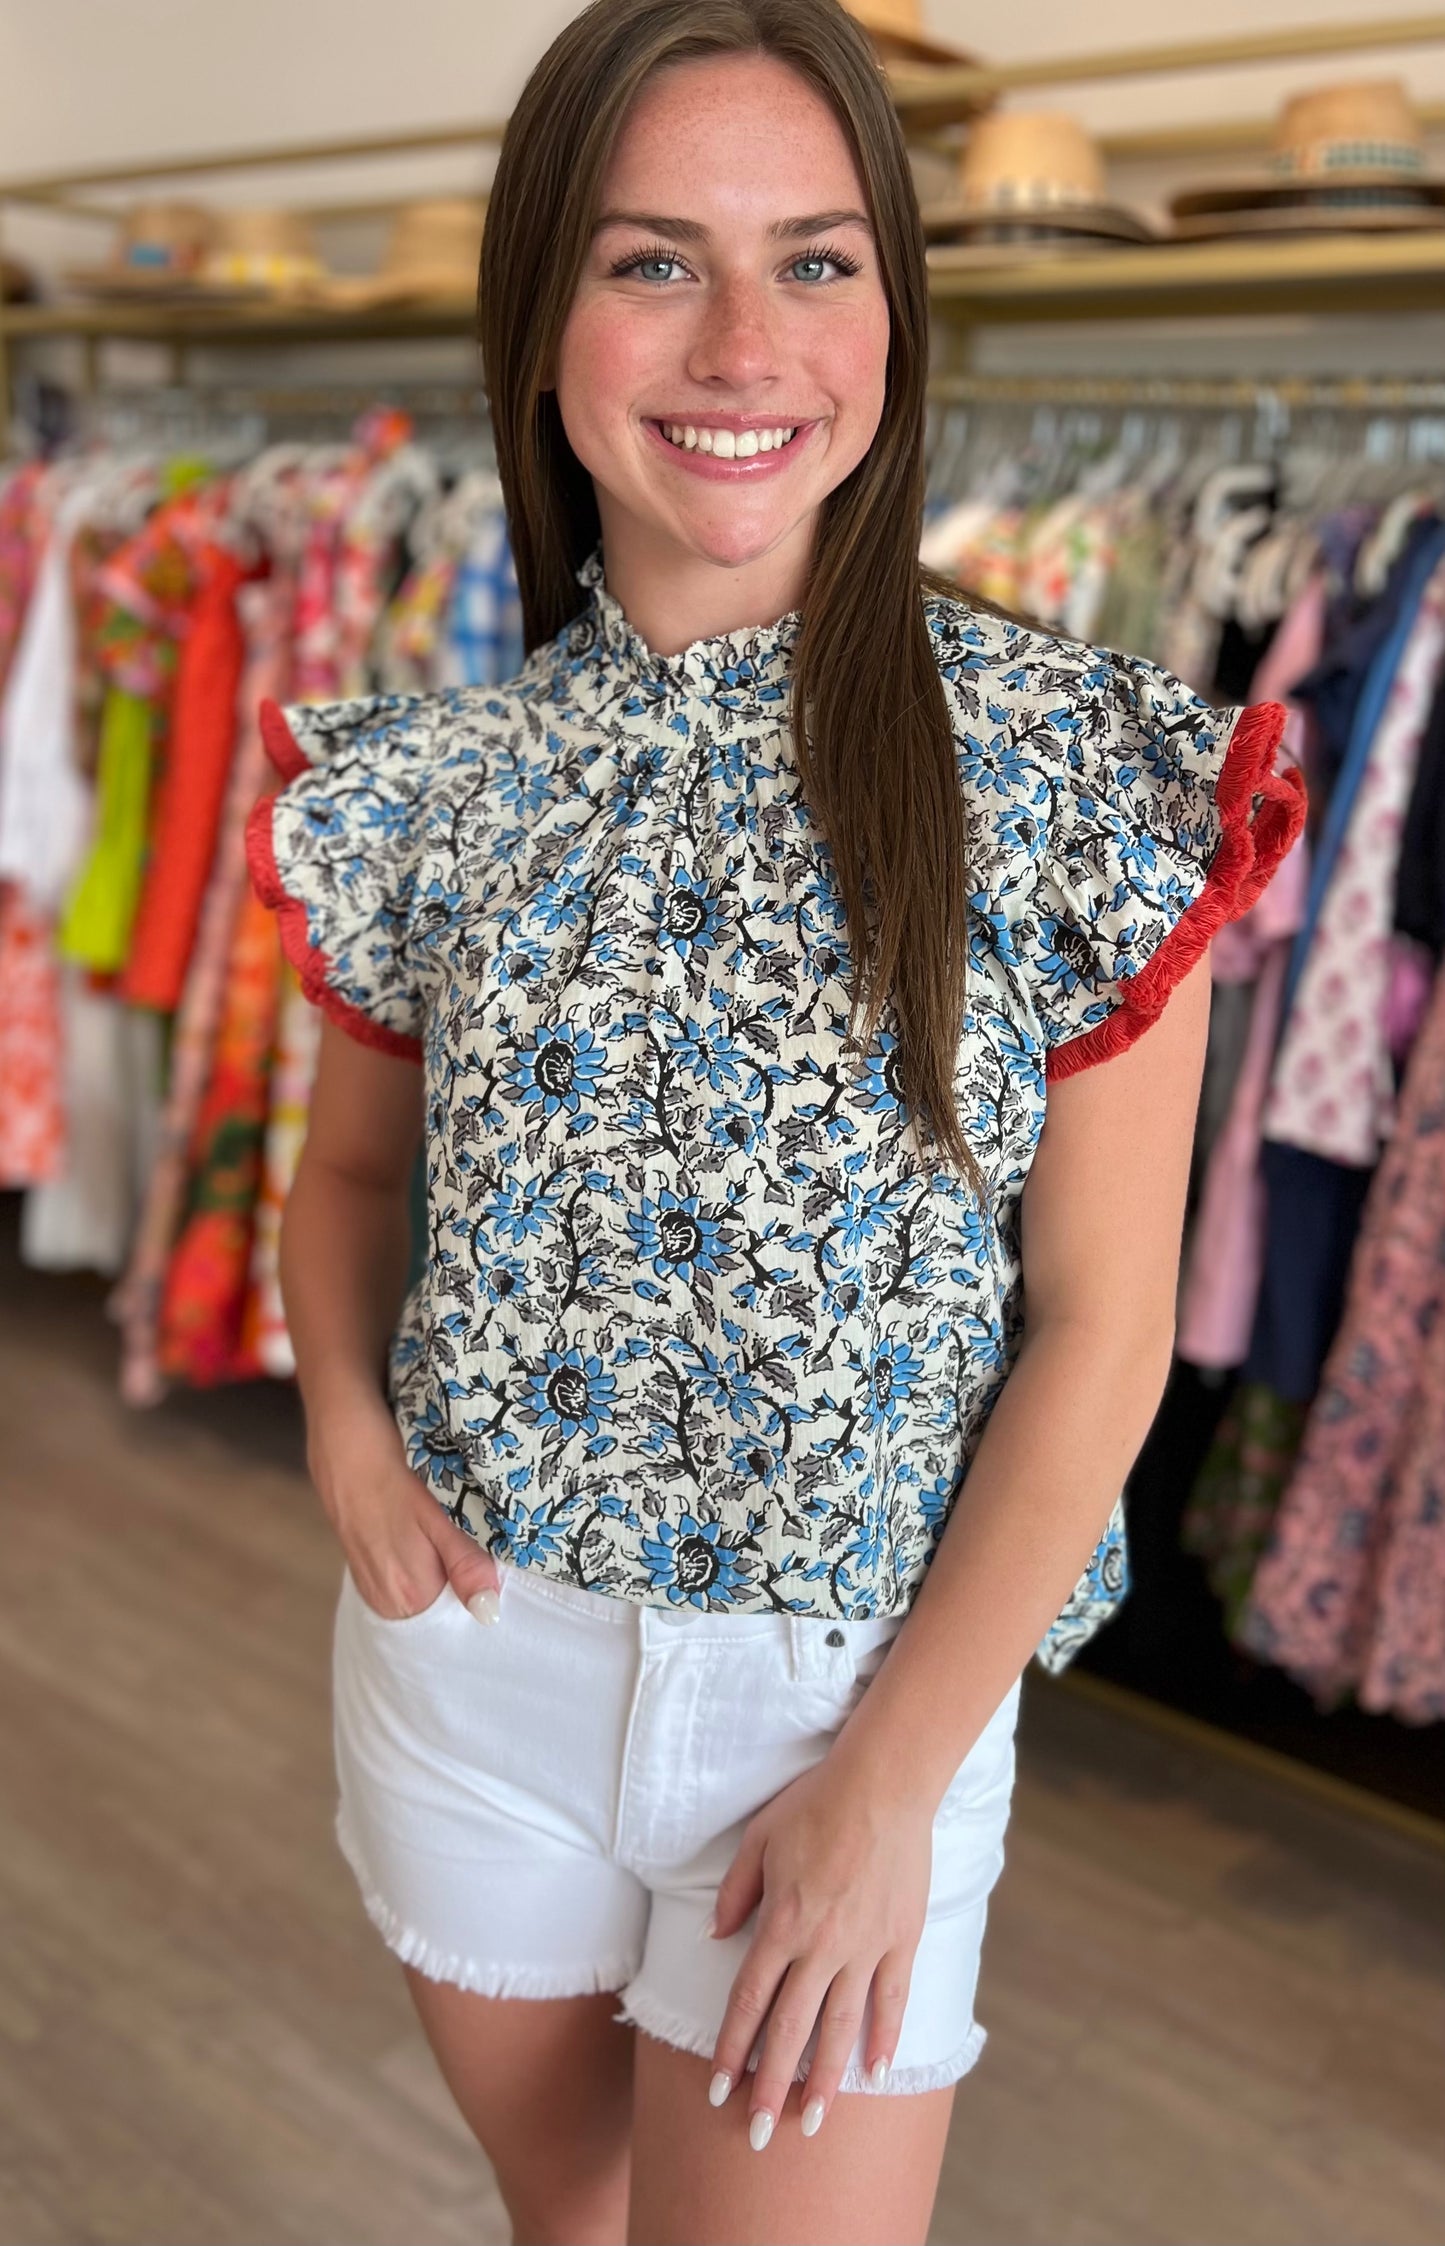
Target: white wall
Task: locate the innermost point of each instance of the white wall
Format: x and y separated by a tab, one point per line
90	81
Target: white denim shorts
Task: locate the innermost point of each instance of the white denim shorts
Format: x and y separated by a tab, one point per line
544	1806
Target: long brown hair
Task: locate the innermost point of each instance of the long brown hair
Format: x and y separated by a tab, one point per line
874	743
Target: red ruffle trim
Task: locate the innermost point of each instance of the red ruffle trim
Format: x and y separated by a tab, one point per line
1251	848
280	743
312	964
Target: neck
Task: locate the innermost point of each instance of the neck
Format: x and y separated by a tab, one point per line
673	597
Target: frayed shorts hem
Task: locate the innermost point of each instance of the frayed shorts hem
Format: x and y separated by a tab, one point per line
490	1979
638	2010
642	2011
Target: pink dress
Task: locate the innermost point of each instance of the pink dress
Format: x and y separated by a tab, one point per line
1332	1090
1226	1255
1351	1595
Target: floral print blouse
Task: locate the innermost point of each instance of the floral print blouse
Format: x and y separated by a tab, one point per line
697	1321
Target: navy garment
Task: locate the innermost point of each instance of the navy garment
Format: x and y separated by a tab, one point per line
1313	1219
1239	656
1420	881
1423	551
1355	632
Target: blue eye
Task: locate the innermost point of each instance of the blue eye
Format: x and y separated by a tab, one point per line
656	265
644	265
820	257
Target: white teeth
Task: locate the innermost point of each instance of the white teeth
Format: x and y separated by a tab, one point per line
725	444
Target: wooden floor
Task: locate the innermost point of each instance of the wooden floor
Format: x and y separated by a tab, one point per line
1217	2012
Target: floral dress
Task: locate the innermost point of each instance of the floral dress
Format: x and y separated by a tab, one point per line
698	1322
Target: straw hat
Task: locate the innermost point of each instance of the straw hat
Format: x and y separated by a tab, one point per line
156	251
260	253
896	30
1344	157
434	251
1030	175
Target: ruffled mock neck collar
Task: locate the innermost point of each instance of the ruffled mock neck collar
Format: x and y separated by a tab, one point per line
746	671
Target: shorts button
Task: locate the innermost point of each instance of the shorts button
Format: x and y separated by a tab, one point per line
834	1638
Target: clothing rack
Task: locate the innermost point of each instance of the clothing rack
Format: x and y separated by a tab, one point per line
1166	393
1185	393
1391	428
222	415
1244	486
1111	1665
423	400
418	398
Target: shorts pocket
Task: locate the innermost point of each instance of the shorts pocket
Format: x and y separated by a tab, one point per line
982	1786
446	1596
857	1667
867	1665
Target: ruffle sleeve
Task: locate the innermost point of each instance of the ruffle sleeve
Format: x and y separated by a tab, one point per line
1160	818
335	852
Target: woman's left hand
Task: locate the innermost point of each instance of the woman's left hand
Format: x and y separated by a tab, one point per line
839	1874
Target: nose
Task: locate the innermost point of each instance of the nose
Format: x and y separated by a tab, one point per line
735	344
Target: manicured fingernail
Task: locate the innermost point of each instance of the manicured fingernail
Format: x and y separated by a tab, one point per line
880	2073
760	2128
485	1605
719	2087
812	2117
708	1927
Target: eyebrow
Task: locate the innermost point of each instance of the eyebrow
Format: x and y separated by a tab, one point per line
692	229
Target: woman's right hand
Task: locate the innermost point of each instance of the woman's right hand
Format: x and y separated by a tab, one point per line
400	1544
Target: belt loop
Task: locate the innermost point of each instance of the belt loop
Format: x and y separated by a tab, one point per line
808	1663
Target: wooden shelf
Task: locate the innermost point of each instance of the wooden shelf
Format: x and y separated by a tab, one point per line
238	324
1326	273
930	97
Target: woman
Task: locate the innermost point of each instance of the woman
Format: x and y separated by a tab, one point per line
739	939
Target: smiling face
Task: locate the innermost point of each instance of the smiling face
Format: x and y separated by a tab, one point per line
722	366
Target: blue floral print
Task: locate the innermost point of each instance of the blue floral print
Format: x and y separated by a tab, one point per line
700	1322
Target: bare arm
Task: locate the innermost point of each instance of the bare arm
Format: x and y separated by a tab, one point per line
1103	1215
345	1239
345	1249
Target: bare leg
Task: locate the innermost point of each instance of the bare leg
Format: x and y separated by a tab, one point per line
545	2084
869	2177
